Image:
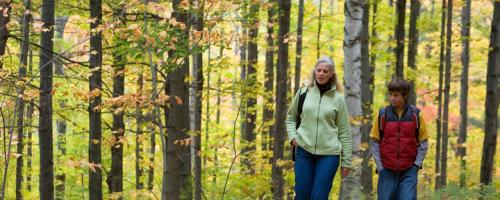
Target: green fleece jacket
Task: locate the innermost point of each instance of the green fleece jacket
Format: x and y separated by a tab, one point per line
324	127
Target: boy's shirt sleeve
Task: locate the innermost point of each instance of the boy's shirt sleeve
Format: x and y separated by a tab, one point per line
375	134
422	134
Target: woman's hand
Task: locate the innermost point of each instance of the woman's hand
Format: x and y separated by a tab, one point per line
345	171
294	143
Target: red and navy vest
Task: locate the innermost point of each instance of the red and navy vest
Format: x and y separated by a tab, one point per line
399	141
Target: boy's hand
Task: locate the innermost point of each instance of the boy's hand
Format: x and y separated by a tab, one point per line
294	143
345	171
416	166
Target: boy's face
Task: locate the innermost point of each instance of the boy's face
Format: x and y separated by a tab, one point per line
396	99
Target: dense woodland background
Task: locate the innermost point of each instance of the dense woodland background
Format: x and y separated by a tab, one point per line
186	99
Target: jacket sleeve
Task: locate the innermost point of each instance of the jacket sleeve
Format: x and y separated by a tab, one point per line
375	149
345	135
421	152
291	118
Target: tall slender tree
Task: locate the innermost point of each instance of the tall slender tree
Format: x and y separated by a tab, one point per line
115	176
390	63
29	130
367	87
46	186
400	37
178	168
492	100
61	122
268	111
281	99
250	114
20	102
139	146
439	120
318	34
464	89
197	101
413	47
355	36
95	87
447	80
5	8
298	46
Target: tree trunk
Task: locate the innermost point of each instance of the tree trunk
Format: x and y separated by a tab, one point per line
251	99
139	151
462	136
20	102
29	122
152	151
46	186
178	168
155	116
367	87
492	100
318	46
353	48
95	86
198	90
390	63
268	111
115	175
281	99
60	123
217	117
298	54
6	7
246	164
439	119
412	48
208	120
400	37
447	79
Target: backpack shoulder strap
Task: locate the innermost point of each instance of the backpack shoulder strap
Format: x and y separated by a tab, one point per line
302	98
416	119
382	116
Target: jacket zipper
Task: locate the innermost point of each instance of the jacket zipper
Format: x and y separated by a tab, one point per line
317	124
399	134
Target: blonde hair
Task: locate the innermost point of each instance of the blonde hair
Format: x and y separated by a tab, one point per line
331	66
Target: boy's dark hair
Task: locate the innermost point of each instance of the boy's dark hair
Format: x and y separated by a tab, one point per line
399	85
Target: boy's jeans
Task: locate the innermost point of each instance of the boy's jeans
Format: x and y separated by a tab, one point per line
314	175
397	185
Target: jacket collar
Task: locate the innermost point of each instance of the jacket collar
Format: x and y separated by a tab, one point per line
334	87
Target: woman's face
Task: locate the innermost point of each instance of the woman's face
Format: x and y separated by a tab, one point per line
323	73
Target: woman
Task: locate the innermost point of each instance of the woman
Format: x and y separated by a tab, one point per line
323	137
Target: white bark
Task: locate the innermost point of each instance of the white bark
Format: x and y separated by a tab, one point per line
350	187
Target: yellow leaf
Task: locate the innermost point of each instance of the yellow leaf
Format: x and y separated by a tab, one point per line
133	26
56	85
364	146
95	93
178	100
95	141
16	155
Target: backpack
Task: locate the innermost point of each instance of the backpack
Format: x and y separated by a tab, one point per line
382	118
302	98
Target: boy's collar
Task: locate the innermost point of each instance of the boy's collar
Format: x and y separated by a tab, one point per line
404	107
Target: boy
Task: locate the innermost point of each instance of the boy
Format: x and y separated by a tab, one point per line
399	144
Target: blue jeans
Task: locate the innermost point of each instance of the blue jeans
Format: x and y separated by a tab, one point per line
397	185
314	175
